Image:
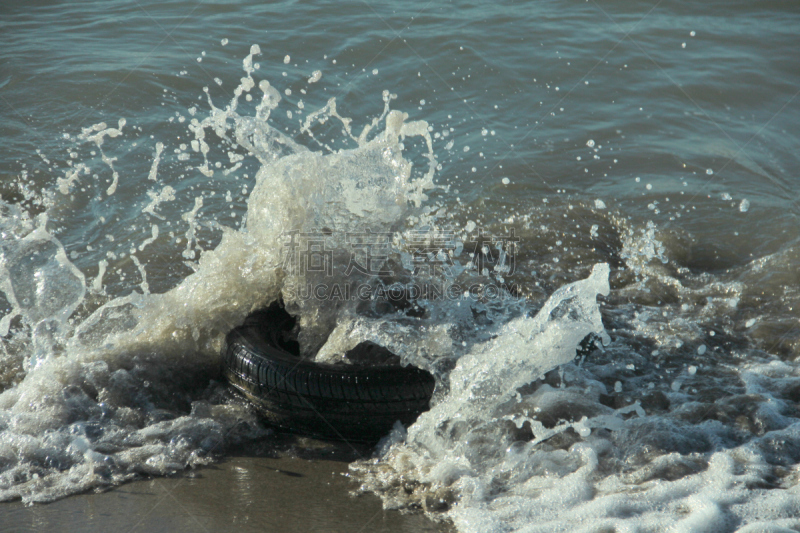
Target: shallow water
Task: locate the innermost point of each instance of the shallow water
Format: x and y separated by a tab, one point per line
157	159
255	494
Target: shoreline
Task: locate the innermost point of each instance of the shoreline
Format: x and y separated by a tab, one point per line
283	492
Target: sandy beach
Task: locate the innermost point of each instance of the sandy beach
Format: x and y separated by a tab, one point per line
286	492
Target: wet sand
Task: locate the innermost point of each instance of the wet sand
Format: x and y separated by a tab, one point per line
280	492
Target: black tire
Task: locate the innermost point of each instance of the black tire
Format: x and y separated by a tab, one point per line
346	402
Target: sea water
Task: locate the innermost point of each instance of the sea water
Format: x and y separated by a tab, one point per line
580	218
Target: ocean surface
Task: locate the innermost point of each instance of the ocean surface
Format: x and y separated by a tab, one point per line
590	206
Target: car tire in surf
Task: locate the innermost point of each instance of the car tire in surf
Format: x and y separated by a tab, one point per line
359	402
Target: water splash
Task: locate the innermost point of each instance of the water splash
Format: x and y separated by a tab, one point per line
454	451
115	386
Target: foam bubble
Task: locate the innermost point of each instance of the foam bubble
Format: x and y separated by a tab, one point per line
315	76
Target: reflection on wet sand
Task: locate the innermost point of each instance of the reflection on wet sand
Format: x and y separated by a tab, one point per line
262	494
